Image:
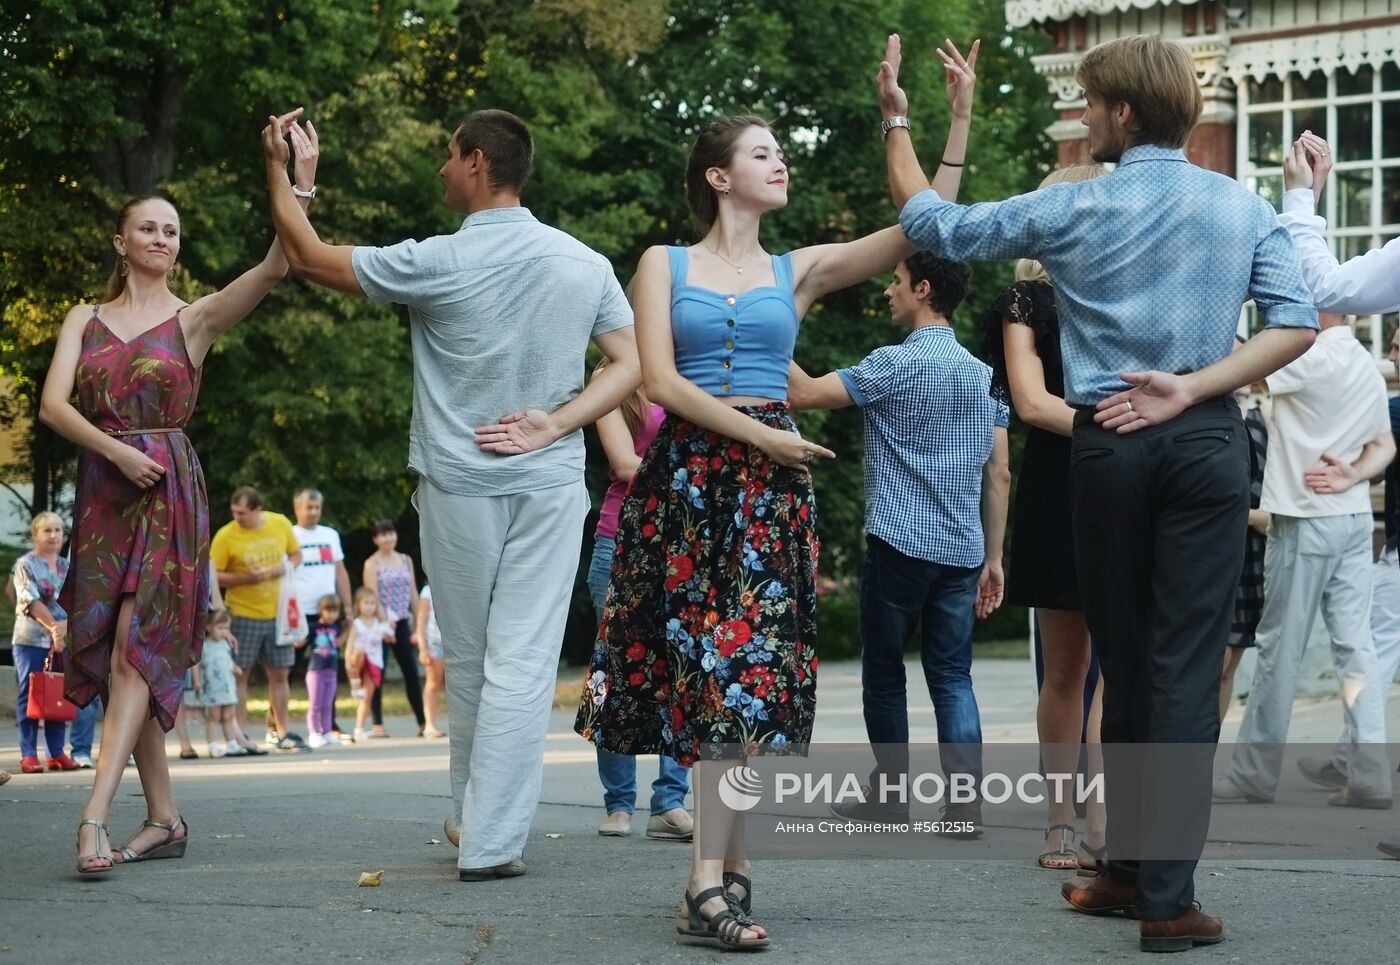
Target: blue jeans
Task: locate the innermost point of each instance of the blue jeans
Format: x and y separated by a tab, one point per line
31	660
898	592
80	731
618	772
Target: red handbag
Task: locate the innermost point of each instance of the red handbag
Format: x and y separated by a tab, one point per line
46	700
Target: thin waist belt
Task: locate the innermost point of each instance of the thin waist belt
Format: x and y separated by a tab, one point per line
138	432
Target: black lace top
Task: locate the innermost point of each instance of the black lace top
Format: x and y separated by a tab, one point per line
1027	303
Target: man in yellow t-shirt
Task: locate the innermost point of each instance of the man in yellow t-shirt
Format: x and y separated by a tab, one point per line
250	554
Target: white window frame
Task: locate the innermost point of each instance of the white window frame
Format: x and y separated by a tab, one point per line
1375	232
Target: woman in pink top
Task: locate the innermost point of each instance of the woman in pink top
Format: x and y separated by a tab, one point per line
626	433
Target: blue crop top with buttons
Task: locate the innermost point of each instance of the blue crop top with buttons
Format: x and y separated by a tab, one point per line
731	344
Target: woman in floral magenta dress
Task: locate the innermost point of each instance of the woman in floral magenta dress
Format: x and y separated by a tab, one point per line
138	585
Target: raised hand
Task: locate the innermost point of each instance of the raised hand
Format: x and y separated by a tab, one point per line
893	100
518	433
1156	397
306	146
962	76
274	137
1297	171
1320	156
1332	476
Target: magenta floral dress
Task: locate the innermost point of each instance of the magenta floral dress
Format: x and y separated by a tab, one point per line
150	543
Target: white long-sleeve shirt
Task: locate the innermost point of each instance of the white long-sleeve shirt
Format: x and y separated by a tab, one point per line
1366	285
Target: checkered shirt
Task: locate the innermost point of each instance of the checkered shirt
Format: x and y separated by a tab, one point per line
929	422
1151	263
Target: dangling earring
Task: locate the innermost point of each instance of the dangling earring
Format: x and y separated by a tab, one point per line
124	267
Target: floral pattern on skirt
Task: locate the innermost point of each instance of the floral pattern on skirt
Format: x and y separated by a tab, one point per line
707	644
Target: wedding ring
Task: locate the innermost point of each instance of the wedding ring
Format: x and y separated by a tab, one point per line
1129	404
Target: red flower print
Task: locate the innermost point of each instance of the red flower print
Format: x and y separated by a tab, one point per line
761	690
658	669
648	530
651	502
636	652
730	636
802	512
678	570
716	463
736	452
637	679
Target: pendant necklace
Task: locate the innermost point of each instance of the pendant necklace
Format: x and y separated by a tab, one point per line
715	252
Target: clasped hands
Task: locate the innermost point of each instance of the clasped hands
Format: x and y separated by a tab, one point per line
305	144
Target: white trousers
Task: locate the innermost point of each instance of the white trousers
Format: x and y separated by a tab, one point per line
1310	563
502	570
1385	631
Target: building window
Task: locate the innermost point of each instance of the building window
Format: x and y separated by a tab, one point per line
1359	115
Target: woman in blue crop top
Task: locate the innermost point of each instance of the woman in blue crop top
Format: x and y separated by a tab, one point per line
707	646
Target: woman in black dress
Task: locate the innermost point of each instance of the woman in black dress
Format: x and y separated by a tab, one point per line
1023	347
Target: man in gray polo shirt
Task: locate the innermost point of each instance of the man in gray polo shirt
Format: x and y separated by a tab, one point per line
500	313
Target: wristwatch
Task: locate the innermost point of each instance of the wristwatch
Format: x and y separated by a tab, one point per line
890	123
304	194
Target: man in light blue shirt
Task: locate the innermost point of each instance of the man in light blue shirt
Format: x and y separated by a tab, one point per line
1151	264
501	313
936	487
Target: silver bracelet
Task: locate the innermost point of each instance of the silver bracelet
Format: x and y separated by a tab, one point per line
308	195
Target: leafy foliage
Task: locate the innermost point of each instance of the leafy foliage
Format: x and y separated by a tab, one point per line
106	100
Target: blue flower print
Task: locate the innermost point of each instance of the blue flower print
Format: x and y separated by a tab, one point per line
751	560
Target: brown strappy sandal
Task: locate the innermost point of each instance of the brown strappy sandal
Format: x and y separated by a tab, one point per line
95	863
726	927
171	847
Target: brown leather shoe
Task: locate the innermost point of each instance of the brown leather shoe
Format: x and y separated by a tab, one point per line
1180	934
1101	895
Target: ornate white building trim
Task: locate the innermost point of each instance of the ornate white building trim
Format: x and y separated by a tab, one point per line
1020	13
1209	53
1325	52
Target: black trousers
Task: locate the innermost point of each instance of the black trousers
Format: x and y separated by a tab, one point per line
1159	522
406	654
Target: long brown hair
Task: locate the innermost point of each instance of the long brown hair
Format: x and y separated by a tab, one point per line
634	408
714	148
116	282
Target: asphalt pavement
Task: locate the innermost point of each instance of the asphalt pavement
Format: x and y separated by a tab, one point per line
278	845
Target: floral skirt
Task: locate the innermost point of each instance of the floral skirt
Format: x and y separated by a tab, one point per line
707	644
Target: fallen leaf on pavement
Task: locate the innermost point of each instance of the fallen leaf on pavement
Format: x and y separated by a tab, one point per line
371	879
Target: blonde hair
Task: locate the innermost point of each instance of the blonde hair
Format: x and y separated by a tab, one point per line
220	618
1157	78
41	519
634	408
1028	269
364	593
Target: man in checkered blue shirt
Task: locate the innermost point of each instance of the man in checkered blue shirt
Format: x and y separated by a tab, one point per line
936	483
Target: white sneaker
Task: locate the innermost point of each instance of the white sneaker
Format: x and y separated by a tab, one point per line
330	740
84	761
360	734
315	740
272	738
235	749
217	749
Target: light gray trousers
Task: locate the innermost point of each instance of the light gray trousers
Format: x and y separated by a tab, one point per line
1385	631
1310	563
502	570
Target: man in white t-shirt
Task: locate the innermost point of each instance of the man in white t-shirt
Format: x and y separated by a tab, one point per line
322	569
1331	437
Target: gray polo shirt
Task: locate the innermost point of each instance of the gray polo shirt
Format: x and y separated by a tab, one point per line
500	313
